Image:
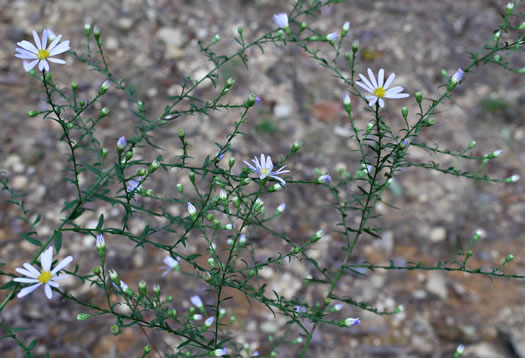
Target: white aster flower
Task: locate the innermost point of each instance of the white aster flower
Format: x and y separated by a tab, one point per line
40	54
265	168
45	276
379	89
170	263
281	20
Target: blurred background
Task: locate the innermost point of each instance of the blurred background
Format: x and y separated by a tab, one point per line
153	44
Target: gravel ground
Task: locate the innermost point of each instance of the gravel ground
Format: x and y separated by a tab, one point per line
154	43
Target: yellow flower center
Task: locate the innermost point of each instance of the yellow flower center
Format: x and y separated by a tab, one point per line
264	171
44	277
43	54
379	92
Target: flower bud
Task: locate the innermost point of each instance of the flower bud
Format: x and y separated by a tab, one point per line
346	28
96	270
496	36
87	29
115	330
275	187
33	114
472	144
429	122
332	37
180	188
258	205
149	193
104	87
121	143
324	179
210	217
252	98
156	290
347	101
509	258
83	316
317	236
192	211
513	179
246	181
419	97
296	146
181	134
477	235
355	46
172	313
239	30
74	86
211	263
154	166
280	209
191	175
96	33
101	246
522	26
236	202
143	289
303	26
231	162
147	349
215	39
103	112
459	351
229	82
350	322
494	154
404	112
216	224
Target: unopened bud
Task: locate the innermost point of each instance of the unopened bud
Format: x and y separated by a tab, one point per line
96	33
74	86
154	166
296	146
104	87
347	102
419	97
355	46
103	112
252	98
96	270
180	188
143	289
191	175
236	202
215	39
87	29
477	235
472	144
318	235
83	316
141	172
33	114
115	330
211	263
346	28
231	162
509	258
513	179
239	30
404	112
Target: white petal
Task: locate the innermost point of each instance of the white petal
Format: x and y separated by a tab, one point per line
41	65
46	65
63	47
27	290
381	77
281	180
44	39
373	101
397	95
28	66
49	293
26	273
389	81
381	103
56	60
23	52
32	269
55	42
60	277
372	78
62	264
367	82
47	258
394	90
25	280
365	87
28	46
37	40
53	284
